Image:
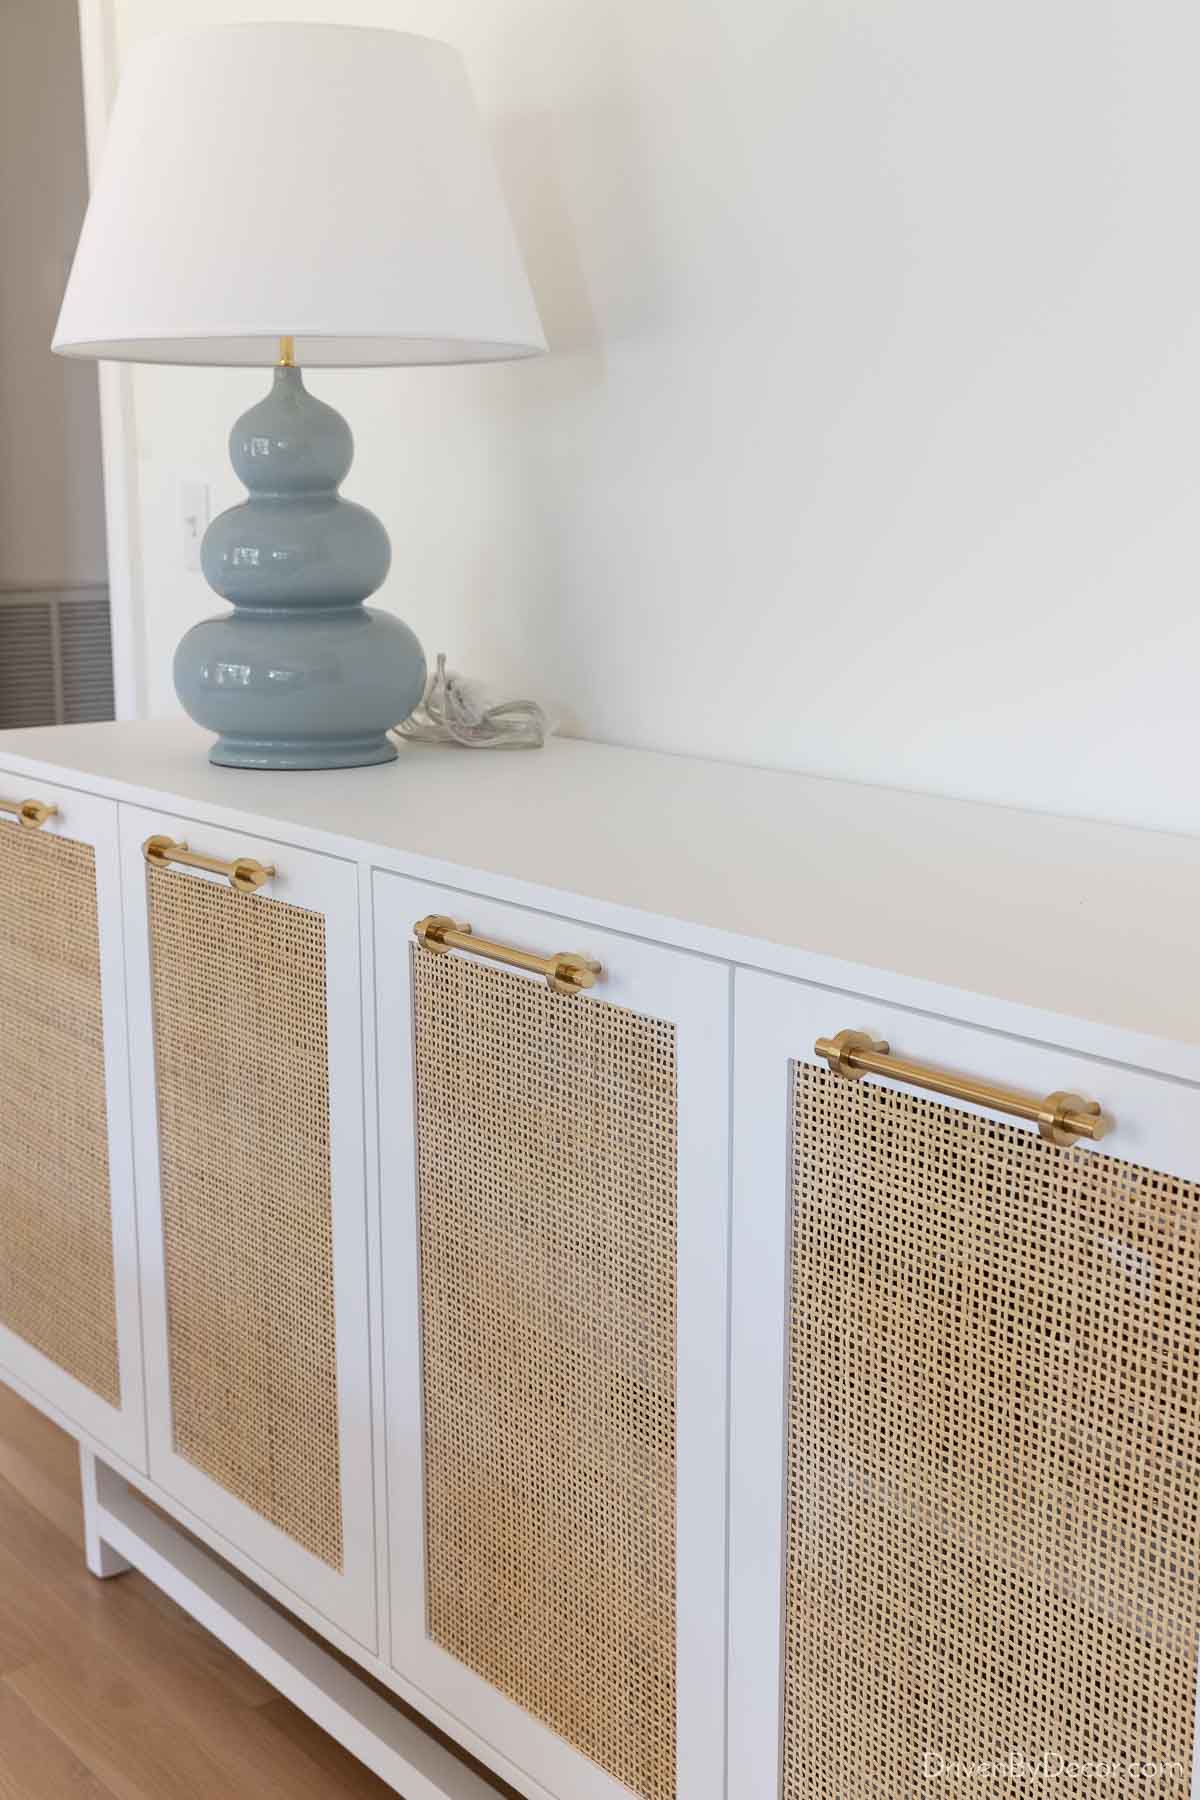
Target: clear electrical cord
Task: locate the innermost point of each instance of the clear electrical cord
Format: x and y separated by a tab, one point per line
453	712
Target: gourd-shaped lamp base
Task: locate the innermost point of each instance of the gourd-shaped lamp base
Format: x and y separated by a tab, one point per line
301	675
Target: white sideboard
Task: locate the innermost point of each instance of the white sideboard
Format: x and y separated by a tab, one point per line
689	1276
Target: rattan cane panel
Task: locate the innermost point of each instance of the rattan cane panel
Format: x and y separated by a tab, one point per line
994	1456
57	1288
547	1174
241	1052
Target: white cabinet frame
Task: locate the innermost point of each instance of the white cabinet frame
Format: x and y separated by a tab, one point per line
1156	1123
328	886
89	820
693	993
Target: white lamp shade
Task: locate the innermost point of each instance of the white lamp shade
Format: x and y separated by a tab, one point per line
326	182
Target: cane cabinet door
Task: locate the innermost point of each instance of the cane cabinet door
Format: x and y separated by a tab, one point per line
247	1067
966	1433
554	1164
69	1328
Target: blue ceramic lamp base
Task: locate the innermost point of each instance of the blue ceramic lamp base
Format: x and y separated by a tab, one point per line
301	675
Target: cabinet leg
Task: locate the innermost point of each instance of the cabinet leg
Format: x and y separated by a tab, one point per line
102	1559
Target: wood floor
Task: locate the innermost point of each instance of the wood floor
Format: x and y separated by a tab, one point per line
107	1690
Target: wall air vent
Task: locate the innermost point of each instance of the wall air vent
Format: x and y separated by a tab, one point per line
55	655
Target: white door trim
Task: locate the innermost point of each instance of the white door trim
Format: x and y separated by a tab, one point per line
118	433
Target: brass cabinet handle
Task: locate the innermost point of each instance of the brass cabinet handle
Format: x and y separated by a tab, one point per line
243	873
1060	1118
565	971
29	812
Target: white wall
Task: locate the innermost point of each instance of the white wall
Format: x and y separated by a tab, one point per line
868	442
51	498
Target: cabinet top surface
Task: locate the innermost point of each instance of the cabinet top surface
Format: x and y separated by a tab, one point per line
1094	921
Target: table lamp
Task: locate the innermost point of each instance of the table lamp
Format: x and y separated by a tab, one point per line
316	196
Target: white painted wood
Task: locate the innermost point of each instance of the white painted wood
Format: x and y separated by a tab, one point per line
1046	981
327	886
295	1604
374	1255
694	994
1064	930
102	1560
1157	1123
757	1383
379	1735
93	821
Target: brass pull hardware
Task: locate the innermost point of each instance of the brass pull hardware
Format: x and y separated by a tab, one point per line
565	972
29	812
1060	1118
243	873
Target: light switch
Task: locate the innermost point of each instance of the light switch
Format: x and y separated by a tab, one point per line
193	515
